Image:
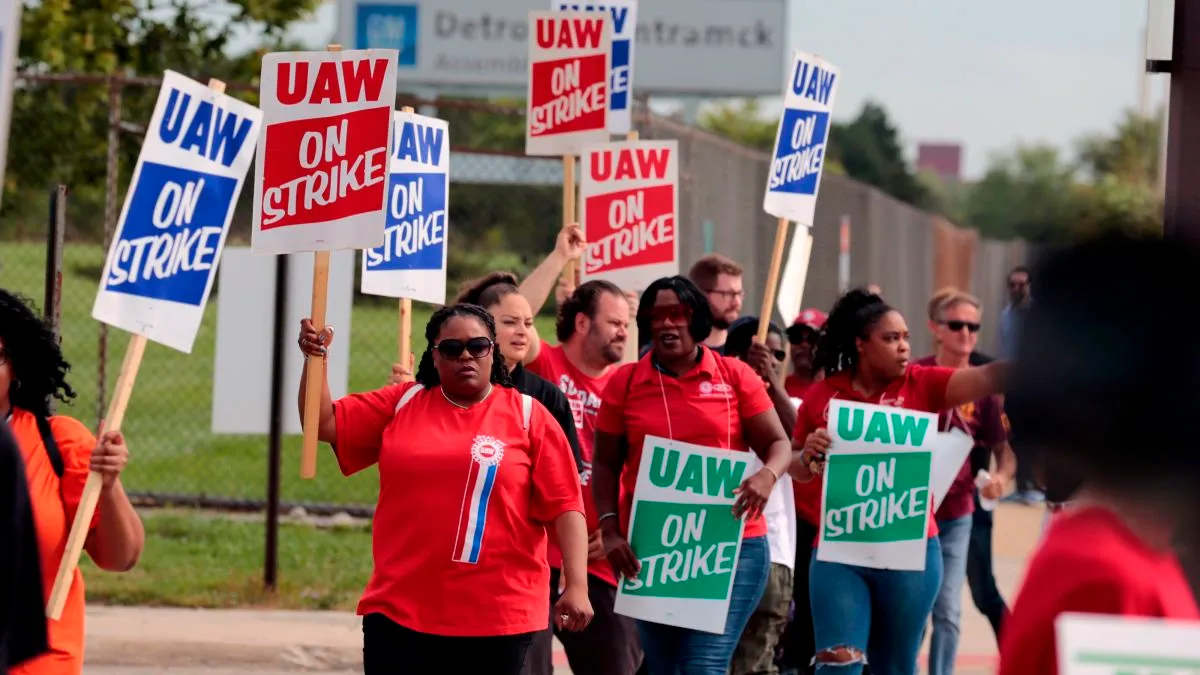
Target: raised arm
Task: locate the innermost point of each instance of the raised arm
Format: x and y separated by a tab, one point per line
317	344
972	384
541	282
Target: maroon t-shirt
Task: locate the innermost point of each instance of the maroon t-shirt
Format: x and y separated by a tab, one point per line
982	420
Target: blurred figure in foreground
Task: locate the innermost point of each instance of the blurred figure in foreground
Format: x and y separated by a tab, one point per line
1103	388
22	615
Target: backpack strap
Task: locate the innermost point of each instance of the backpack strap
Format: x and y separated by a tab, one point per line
526	410
51	445
408	395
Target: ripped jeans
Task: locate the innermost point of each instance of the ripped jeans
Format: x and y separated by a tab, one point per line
871	615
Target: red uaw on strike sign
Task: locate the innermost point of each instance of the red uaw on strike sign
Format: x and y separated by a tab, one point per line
322	166
630	194
568	82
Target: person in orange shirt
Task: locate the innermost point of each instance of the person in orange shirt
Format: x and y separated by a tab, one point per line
683	390
470	474
863	612
59	452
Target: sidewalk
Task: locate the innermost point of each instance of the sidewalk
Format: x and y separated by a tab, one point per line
140	641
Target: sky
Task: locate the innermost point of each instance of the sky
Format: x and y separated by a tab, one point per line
986	74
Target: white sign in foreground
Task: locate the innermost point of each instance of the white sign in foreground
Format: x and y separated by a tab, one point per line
245	324
1094	644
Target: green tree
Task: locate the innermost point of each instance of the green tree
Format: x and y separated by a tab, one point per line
869	149
1029	193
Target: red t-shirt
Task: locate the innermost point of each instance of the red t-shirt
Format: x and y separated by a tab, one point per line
583	393
459	536
1090	562
704	406
795	387
921	388
983	420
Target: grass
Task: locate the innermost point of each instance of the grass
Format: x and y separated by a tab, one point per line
168	423
195	560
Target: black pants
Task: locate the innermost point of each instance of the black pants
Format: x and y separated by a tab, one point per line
392	649
608	646
981	576
799	644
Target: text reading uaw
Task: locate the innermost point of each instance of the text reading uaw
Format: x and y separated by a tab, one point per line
577	96
416	224
800	152
175	217
342	159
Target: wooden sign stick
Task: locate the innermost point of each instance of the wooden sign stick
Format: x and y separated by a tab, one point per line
315	384
768	304
406	360
92	488
570	272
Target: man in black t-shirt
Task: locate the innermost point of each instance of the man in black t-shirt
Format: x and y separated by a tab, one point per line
22	616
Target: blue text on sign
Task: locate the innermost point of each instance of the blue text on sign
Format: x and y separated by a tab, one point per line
800	152
619	14
415	235
199	127
171	234
418	143
811	82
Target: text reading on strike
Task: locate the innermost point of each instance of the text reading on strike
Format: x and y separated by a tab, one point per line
555	33
159	256
333	82
202	128
416	229
575	94
630	164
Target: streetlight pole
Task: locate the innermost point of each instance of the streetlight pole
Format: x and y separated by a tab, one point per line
1181	206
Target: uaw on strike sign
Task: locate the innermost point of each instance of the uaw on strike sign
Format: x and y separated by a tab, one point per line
568	82
164	255
630	195
321	181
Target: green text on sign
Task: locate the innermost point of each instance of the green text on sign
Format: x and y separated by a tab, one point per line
706	476
877	497
891	428
686	550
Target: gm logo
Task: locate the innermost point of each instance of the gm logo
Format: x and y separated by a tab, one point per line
388	27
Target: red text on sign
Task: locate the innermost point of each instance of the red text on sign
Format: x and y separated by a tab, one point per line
569	95
333	82
640	231
582	33
629	164
324	169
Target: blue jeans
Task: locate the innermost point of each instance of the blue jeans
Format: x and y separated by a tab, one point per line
955	538
981	576
878	614
670	650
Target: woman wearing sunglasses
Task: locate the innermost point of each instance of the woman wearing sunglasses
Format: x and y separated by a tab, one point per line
471	472
684	391
864	353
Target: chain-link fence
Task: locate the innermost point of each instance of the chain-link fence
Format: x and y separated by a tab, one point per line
85	132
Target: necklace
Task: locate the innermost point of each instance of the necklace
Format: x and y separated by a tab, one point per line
465	407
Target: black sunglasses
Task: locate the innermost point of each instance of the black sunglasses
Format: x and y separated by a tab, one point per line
780	355
477	347
959	325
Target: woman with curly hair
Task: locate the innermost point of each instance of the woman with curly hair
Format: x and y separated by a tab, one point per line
59	452
471	472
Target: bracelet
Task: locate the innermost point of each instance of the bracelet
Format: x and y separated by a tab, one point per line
610	514
772	471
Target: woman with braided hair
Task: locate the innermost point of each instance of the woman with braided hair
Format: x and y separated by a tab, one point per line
471	472
864	353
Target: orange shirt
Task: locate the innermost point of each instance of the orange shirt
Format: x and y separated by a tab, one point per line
459	534
704	406
583	392
921	388
54	504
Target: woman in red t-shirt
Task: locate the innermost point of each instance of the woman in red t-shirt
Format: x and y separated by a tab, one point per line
684	391
470	474
860	612
1103	389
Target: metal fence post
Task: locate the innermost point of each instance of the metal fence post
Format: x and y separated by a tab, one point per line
55	232
111	180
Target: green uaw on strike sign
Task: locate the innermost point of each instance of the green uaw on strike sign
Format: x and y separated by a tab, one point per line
1095	644
875	506
683	531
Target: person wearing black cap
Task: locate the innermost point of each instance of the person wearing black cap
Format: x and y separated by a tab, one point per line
802	340
1104	391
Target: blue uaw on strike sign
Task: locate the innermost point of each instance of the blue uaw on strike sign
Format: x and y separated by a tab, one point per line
411	263
623	19
801	140
163	259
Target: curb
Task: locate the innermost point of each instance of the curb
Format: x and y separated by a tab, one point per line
132	653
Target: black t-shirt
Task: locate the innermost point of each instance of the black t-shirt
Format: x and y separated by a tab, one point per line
22	613
555	401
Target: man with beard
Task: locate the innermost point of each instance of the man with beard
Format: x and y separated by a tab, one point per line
592	328
802	339
721	280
